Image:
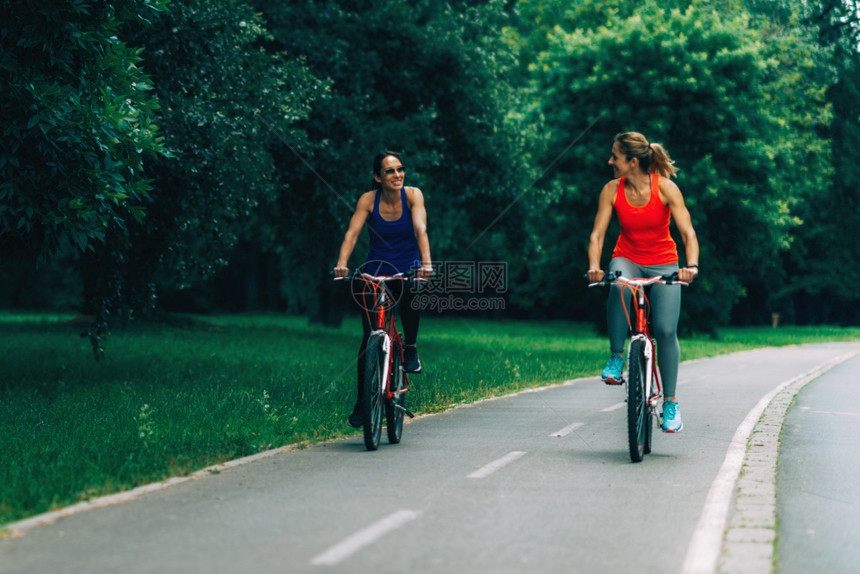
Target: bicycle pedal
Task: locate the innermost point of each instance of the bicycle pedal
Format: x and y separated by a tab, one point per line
406	411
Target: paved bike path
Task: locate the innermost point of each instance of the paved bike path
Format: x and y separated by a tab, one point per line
538	482
819	504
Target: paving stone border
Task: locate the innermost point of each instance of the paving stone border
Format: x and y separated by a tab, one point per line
749	541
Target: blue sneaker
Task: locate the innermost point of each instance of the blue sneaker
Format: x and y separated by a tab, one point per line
611	374
671	417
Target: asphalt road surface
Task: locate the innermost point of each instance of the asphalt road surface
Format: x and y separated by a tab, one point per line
536	482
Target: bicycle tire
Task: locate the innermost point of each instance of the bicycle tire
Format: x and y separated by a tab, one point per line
396	405
638	417
649	429
372	397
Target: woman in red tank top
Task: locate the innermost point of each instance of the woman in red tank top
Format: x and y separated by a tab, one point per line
645	200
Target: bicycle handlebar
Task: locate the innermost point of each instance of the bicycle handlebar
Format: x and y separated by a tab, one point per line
616	277
410	275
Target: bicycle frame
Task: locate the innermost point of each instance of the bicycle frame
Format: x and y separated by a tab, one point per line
383	380
386	329
641	332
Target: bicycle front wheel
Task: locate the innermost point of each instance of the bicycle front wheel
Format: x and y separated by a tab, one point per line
373	398
649	429
638	415
395	407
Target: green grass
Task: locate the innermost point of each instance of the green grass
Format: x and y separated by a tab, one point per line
169	400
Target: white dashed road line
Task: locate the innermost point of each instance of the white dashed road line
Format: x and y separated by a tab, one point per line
365	537
567	430
489	469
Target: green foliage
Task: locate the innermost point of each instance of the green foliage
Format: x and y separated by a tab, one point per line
702	83
80	121
504	112
837	23
226	103
428	79
77	122
816	45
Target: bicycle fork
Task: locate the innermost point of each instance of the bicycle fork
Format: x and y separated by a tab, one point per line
652	381
385	359
653	388
392	391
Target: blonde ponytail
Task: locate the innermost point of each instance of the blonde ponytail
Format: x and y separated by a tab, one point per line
661	163
652	156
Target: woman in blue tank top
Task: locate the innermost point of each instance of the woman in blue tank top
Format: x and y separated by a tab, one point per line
397	222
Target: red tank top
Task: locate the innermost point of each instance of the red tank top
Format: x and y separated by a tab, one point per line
645	238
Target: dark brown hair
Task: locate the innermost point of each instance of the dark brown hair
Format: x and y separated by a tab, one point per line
377	165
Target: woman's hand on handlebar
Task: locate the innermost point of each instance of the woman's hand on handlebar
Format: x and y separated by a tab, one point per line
424	272
595	275
687	274
340	271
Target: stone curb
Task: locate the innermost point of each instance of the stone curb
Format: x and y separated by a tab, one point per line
749	541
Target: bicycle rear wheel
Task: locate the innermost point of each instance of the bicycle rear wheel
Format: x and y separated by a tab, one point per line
638	415
395	407
373	398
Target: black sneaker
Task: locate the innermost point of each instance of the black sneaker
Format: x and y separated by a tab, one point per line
354	418
411	362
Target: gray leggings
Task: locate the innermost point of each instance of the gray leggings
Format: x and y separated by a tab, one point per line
665	312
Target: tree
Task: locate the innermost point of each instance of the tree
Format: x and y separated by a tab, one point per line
221	92
80	121
701	83
77	124
838	25
428	79
227	103
820	288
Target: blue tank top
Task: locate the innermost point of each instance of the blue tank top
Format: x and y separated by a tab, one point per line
393	247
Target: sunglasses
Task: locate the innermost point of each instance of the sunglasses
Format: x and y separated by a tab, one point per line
391	170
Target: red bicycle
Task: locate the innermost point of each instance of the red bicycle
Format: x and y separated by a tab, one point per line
644	387
385	383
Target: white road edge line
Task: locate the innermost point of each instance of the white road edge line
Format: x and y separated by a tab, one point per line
567	430
614	407
489	469
705	547
364	537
